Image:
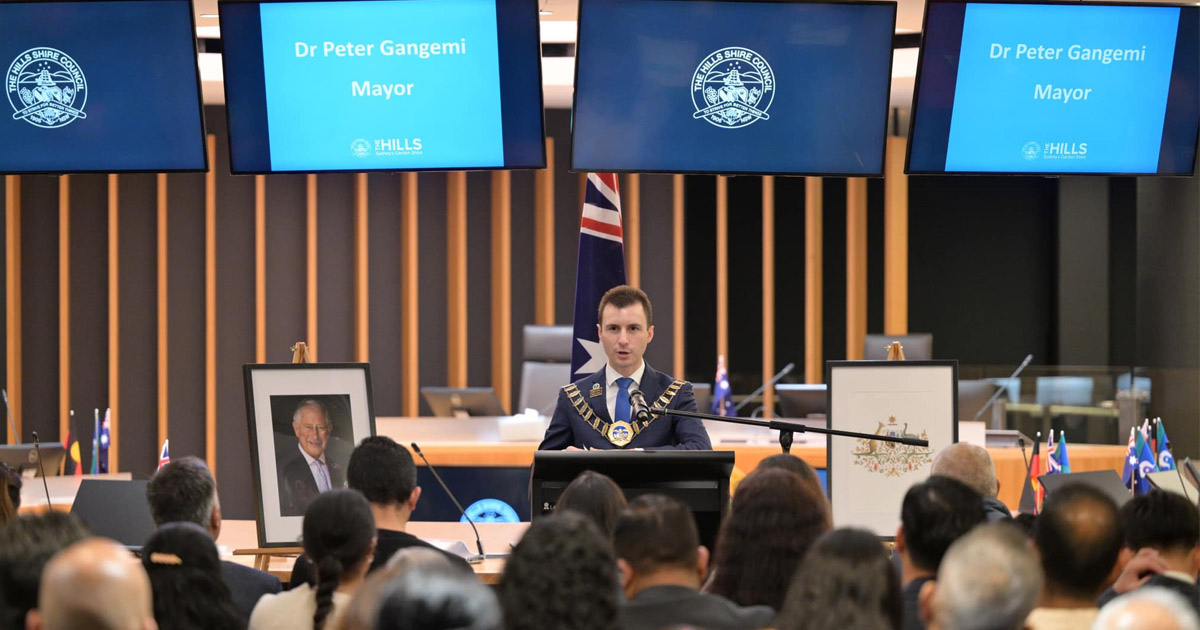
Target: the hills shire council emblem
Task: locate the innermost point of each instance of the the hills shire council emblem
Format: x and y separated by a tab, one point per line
360	148
1031	151
732	88
46	88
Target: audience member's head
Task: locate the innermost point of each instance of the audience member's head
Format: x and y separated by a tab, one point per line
845	581
988	580
1149	607
595	496
361	612
793	464
26	544
418	558
1168	523
656	539
438	599
185	575
7	510
773	520
384	472
94	584
12	484
184	490
1079	535
339	537
970	464
935	513
1026	523
562	574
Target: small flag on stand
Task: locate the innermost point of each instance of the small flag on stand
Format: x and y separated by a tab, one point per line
1166	460
1064	463
601	267
74	456
105	438
96	444
1031	494
1052	465
722	403
164	457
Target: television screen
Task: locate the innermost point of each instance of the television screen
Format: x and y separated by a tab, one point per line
100	86
732	87
1056	89
391	85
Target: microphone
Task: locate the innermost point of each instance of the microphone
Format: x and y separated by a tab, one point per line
478	541
787	369
1013	377
640	408
37	446
12	425
1021	443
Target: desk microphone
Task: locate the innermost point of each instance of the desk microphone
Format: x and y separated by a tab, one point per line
639	408
1013	377
1021	443
12	425
478	542
37	446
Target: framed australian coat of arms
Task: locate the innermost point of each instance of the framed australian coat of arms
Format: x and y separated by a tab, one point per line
867	478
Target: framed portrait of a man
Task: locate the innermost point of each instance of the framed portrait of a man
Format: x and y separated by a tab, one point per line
304	421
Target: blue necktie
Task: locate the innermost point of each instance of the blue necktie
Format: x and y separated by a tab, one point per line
622	408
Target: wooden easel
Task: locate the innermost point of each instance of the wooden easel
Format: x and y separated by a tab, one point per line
263	555
895	351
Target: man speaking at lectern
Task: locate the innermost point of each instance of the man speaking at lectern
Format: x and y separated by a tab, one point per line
594	412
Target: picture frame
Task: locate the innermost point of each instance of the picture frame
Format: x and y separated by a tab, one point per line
867	479
304	420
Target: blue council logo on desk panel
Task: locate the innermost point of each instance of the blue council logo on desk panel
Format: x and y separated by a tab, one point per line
46	88
733	87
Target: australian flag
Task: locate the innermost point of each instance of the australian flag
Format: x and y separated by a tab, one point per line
722	403
601	267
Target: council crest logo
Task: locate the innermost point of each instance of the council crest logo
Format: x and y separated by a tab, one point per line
1031	151
46	88
732	88
360	148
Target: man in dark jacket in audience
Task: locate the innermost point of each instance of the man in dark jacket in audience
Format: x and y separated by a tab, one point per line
662	566
973	466
184	491
935	513
1163	529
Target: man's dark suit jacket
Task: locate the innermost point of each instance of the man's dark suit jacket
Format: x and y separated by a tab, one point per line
568	428
1188	591
297	488
672	606
247	585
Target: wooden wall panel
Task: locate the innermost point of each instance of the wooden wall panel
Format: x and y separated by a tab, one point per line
311	278
162	188
12	301
39	302
186	314
501	288
523	256
114	321
210	308
722	260
286	258
385	298
479	279
64	308
89	366
768	291
895	270
678	272
456	279
410	367
814	273
856	266
434	324
631	207
335	269
260	268
543	239
657	275
362	283
137	422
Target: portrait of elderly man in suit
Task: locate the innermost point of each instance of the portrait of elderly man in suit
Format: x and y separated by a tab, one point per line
312	468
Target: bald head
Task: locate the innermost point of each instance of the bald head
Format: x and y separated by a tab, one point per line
1149	607
969	464
94	584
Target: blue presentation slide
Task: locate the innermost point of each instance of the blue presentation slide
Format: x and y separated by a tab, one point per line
1061	88
379	85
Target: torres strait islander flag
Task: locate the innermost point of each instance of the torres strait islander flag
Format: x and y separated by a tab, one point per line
601	267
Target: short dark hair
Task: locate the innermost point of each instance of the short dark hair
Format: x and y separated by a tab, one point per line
382	470
1079	534
1161	520
26	544
793	464
597	497
657	531
182	490
434	598
845	581
622	296
935	513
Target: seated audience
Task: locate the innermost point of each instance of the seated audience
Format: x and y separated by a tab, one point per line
363	608
426	598
384	472
972	465
845	581
1168	525
794	464
988	580
935	513
26	544
773	519
1151	608
12	484
662	566
95	584
339	536
561	575
1079	536
595	496
184	491
185	576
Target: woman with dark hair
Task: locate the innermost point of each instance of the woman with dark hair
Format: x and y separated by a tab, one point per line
10	499
845	581
562	575
773	520
595	496
339	537
185	575
438	598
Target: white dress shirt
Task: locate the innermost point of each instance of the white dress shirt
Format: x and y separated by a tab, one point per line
327	482
611	388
